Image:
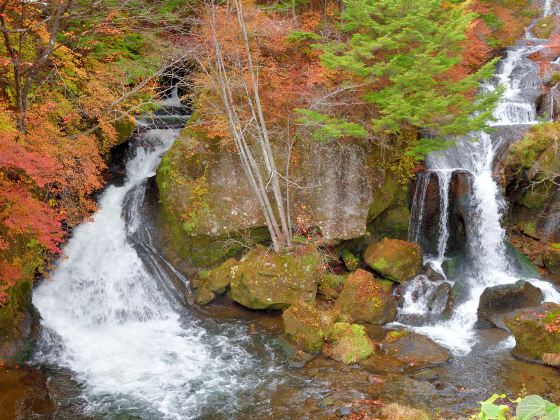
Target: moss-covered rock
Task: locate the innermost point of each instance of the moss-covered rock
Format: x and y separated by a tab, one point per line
537	332
551	260
350	343
308	326
351	262
394	259
264	280
125	127
330	284
17	320
216	280
366	299
203	296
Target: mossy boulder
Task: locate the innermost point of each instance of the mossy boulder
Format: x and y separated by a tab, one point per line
17	322
551	260
537	333
351	261
349	343
330	284
416	350
366	299
265	280
394	259
308	326
218	279
125	127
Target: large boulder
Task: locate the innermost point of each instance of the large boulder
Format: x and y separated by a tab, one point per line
265	280
537	333
414	349
551	260
394	259
366	299
497	301
206	200
308	326
349	343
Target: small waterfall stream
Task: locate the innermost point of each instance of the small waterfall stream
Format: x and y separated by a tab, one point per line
486	261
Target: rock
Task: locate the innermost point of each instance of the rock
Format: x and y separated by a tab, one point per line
264	280
499	300
125	127
350	343
441	300
537	333
18	323
351	262
343	411
451	267
460	189
218	279
206	199
307	326
330	284
416	350
426	199
366	299
395	411
551	260
394	259
430	272
203	296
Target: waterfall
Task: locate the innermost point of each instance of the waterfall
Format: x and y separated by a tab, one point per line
487	262
108	316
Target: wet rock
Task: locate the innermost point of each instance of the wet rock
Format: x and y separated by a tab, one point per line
366	299
497	301
349	343
395	411
203	296
551	260
450	267
330	284
537	333
18	324
426	197
460	189
416	350
307	326
343	412
218	279
264	280
351	262
441	300
430	272
394	259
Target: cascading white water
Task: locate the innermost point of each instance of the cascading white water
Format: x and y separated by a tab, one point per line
108	319
488	261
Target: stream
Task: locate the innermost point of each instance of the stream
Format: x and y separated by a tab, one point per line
119	341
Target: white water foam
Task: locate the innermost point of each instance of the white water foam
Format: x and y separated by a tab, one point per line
105	317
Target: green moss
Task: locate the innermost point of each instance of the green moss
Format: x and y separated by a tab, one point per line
393	336
383	196
308	326
351	262
125	128
555	246
351	343
537	196
331	284
394	259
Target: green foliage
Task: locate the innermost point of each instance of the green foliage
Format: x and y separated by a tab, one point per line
406	51
327	128
491	411
298	37
555	246
528	408
492	21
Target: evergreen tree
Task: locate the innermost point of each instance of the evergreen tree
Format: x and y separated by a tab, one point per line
405	50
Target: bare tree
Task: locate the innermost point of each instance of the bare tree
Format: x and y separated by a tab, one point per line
262	174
